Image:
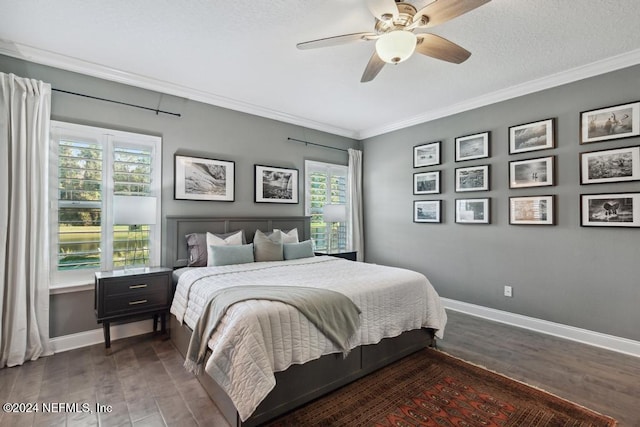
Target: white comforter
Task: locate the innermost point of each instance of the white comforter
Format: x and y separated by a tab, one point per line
257	338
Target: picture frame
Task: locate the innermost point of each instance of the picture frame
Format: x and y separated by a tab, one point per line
472	147
426	182
608	123
532	210
538	172
610	210
474	178
606	166
473	211
426	154
276	185
427	211
200	178
532	136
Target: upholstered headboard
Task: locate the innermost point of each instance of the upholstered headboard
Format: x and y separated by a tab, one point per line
179	226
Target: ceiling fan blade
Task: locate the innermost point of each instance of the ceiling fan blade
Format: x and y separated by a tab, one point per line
373	68
441	48
441	11
335	40
383	9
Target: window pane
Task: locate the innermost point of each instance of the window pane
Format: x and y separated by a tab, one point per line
79	213
326	184
131	177
78	238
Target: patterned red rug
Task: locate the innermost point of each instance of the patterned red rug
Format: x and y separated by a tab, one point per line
430	388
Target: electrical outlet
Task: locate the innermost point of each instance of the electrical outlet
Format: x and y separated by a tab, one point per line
508	291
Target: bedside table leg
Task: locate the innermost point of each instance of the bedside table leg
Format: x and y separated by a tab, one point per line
155	323
163	323
107	334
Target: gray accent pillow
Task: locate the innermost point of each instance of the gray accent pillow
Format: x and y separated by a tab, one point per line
231	254
299	250
268	248
290	236
197	247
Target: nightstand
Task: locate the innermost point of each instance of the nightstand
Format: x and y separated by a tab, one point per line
127	294
350	255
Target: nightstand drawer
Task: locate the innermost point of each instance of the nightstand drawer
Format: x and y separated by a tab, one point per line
136	286
138	302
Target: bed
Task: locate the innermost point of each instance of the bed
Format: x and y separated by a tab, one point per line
265	356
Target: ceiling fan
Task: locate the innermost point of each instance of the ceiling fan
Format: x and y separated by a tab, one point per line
400	31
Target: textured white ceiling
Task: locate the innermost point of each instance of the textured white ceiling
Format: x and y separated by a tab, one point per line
242	54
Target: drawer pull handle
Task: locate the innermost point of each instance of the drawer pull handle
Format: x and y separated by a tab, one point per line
140	301
137	286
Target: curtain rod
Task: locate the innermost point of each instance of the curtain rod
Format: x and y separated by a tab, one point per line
157	111
316	144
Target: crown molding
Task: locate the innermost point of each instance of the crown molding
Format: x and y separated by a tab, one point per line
69	63
590	70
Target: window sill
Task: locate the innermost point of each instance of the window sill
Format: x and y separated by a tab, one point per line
70	287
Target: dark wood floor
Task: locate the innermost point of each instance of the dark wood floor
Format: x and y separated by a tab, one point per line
142	378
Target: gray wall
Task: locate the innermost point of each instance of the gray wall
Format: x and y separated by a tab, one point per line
203	130
583	277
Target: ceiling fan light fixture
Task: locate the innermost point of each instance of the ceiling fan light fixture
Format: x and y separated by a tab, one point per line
396	46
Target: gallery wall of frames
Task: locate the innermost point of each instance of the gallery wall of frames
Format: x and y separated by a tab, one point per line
597	166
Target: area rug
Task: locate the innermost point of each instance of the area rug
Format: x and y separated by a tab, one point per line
431	388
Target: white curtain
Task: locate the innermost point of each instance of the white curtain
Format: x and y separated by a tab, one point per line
25	109
356	236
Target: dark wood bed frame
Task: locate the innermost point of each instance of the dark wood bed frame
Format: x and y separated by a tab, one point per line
299	384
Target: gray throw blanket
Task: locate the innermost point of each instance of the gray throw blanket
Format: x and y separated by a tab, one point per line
334	314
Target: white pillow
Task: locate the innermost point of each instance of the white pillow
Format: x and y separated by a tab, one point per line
290	236
213	240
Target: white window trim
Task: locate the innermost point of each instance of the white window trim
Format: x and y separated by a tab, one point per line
75	280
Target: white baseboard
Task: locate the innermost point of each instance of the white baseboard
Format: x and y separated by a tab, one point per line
609	342
96	336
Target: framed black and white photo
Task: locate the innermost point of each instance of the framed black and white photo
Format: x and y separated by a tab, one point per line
532	210
604	124
276	185
471	147
473	211
610	210
198	178
426	182
474	178
533	136
426	154
618	165
427	211
532	172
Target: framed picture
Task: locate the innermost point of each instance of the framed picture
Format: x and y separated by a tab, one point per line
472	147
426	154
532	136
276	185
475	178
532	172
610	210
473	211
618	165
198	178
427	211
604	124
426	182
536	210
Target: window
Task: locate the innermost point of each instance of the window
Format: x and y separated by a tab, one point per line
326	183
90	166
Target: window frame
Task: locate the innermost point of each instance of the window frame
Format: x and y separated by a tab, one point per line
331	170
109	139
